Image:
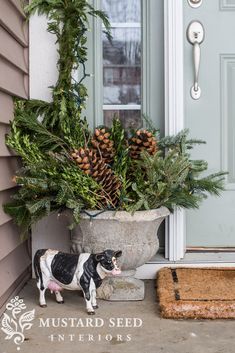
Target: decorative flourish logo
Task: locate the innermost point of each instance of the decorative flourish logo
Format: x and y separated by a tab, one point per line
14	324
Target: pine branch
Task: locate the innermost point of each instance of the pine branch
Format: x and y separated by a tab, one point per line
179	141
150	125
169	180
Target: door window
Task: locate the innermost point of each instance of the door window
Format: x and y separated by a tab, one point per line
122	63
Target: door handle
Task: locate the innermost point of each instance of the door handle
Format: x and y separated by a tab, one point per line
195	36
196	60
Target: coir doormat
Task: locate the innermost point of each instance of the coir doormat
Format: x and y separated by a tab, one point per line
196	293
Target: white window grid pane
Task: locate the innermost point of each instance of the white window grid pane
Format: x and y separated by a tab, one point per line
121	107
125	25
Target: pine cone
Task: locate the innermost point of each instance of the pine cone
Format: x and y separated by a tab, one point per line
88	160
142	140
103	145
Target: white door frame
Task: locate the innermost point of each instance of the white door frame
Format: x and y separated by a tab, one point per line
174	111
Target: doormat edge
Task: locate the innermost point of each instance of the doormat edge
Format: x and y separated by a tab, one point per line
171	308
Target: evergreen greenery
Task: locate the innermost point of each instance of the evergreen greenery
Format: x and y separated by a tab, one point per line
46	134
68	20
170	178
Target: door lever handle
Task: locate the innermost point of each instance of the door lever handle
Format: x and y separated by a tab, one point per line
195	35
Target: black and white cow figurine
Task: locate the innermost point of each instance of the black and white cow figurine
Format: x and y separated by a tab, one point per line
56	270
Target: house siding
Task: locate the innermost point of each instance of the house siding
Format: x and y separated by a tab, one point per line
14	81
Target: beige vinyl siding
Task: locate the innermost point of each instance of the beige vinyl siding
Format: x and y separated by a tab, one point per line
14	255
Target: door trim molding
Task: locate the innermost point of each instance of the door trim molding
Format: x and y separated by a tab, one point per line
174	111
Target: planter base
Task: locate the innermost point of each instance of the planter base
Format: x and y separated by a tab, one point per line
121	289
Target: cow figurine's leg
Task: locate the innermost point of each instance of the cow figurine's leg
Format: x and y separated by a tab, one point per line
59	298
90	297
93	299
89	307
42	286
41	276
42	300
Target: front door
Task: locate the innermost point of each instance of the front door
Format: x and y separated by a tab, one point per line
211	114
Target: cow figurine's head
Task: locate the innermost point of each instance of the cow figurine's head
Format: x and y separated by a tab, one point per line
56	270
108	261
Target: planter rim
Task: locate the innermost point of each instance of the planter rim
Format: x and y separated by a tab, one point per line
138	216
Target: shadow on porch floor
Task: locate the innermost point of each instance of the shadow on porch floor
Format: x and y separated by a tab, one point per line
155	335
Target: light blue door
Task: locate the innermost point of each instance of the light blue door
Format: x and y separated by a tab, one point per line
212	117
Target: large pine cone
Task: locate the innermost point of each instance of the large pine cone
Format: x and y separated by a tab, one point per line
103	145
143	140
91	164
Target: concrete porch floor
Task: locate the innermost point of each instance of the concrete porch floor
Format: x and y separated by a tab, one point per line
156	335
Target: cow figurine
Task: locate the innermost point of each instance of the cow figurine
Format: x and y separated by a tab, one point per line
57	270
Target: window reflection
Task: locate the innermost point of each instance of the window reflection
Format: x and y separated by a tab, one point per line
131	119
125	47
123	10
122	85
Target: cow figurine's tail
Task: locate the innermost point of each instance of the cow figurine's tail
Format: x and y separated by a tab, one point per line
37	267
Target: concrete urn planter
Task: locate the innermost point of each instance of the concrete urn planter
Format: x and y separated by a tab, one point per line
135	235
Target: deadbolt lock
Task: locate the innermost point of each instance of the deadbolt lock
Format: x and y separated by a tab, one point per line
195	3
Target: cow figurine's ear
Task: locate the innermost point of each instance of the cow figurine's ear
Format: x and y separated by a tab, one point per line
99	257
118	253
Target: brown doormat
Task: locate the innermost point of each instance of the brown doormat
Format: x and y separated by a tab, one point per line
196	293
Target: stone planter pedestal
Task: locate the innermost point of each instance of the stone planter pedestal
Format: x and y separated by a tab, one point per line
135	235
